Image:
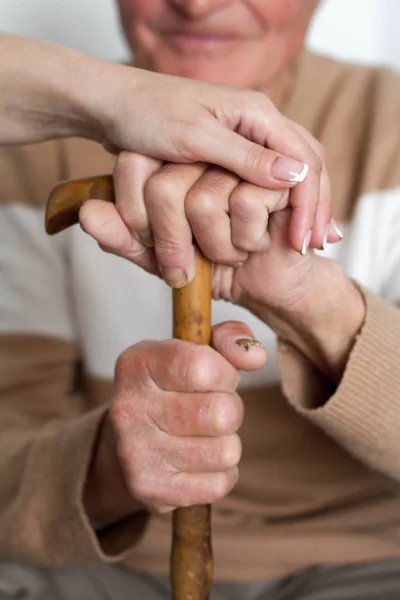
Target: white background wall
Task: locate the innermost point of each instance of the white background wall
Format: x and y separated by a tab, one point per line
365	30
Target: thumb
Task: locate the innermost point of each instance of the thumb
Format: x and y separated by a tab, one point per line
103	223
236	343
251	161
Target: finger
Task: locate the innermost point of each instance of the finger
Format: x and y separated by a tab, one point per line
324	208
302	167
320	231
102	221
249	219
283	136
185	489
207	207
261	122
202	415
235	342
165	194
199	455
334	233
250	160
249	207
176	366
131	173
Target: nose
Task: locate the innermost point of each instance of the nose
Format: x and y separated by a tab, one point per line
197	8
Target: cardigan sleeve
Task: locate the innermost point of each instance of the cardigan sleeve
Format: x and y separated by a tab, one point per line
48	425
362	413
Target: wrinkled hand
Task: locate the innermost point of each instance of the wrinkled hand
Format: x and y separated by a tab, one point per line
161	206
176	415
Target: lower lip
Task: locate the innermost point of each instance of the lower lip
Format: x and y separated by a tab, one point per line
186	41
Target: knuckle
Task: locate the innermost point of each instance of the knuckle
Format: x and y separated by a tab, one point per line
224	483
243	207
128	162
202	369
258	99
120	414
196	491
231	452
180	353
315	162
124	363
143	487
162	187
145	481
201	203
228	414
127	414
122	168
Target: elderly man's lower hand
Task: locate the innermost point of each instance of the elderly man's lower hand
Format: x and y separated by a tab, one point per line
160	205
175	415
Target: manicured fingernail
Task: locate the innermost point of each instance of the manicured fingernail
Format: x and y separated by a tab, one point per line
306	243
287	169
248	344
336	228
147	239
175	278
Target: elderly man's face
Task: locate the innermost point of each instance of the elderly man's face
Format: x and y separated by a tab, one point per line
239	42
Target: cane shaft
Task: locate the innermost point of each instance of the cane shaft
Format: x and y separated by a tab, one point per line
191	555
191	558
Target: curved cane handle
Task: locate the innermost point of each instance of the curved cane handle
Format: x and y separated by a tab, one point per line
67	198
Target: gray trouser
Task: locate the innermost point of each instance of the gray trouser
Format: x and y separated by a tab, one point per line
377	581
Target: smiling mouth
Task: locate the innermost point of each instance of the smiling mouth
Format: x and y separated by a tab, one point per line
195	42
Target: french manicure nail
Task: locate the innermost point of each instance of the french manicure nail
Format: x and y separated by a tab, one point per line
175	278
288	169
336	228
248	344
306	243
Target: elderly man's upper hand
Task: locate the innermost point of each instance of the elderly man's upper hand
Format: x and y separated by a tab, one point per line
161	206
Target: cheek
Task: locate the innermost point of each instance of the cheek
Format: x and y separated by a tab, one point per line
140	9
281	13
135	15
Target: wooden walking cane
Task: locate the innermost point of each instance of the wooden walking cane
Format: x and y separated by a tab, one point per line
191	556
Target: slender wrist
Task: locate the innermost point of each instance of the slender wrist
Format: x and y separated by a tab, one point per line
47	91
324	322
